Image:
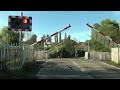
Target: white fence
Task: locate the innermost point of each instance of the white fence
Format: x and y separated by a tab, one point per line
41	55
98	55
114	55
13	57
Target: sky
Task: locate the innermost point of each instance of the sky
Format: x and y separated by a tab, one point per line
49	22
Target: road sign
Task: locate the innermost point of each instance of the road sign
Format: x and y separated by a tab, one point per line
19	23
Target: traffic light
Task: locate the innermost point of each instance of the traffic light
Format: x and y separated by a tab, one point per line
24	20
19	23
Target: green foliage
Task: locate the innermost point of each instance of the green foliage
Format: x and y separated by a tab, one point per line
65	50
9	36
56	38
109	28
32	40
60	36
65	36
49	39
69	37
96	26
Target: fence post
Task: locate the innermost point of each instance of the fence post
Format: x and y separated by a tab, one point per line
6	53
23	60
16	57
11	54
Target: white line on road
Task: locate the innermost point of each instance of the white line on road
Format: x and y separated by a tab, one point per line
60	76
77	65
110	65
44	64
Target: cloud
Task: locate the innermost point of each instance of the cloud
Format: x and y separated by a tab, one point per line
116	12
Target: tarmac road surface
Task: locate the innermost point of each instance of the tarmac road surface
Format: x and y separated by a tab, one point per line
77	69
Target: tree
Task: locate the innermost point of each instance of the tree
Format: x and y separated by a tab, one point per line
56	38
96	26
107	27
32	40
66	50
65	36
42	43
60	37
49	39
69	37
9	36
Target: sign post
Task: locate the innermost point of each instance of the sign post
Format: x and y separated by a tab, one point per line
20	23
20	42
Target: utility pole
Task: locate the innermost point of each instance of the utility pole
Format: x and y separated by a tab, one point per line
20	42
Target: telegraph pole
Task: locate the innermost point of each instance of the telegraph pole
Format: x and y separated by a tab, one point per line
20	41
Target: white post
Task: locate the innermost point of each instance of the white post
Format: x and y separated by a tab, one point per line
118	54
20	41
14	56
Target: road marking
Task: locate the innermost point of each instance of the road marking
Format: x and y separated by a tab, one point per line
61	76
77	65
44	64
110	65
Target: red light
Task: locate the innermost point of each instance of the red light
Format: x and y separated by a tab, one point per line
24	20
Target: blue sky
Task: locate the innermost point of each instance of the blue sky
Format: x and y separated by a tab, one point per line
48	22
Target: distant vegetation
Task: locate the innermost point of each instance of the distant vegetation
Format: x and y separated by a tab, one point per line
9	36
110	28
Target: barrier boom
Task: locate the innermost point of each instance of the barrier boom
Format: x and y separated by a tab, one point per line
51	35
103	34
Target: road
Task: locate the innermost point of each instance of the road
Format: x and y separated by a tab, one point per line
77	69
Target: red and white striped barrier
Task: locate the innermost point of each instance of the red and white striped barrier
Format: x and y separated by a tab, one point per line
30	23
103	34
52	35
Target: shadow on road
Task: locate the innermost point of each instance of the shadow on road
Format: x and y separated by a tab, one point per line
55	70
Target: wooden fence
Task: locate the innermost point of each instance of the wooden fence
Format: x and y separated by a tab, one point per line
115	55
38	55
100	55
13	57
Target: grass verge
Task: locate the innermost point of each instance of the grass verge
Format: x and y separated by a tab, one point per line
112	63
28	71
